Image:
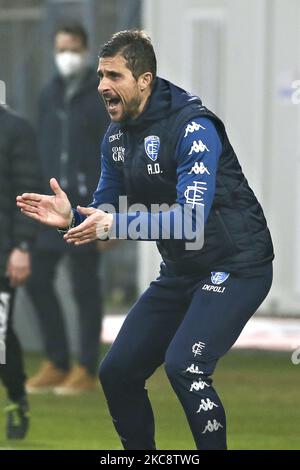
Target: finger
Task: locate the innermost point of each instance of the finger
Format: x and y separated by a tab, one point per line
79	229
29	203
84	242
31	215
83	234
30	197
86	210
28	207
55	187
81	237
77	234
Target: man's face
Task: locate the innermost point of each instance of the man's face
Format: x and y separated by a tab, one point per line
65	42
70	54
121	92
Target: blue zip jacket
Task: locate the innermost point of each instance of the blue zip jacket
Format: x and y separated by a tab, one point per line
177	152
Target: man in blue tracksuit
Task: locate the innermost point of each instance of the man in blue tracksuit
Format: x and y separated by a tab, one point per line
164	146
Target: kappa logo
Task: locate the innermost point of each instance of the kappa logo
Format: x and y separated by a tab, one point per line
192	127
118	154
198	147
152	145
212	426
206	405
114	137
199	168
193	194
194	369
198	385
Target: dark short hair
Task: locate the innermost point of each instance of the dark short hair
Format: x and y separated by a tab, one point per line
136	48
75	29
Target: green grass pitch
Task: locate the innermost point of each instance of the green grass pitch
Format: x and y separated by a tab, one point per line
260	392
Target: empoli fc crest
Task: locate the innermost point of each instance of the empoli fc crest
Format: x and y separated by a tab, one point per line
152	144
219	277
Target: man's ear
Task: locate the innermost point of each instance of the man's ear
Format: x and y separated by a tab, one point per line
145	80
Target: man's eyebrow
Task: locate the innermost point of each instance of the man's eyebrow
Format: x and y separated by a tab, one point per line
110	73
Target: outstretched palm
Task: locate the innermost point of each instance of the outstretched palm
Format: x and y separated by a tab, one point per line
50	210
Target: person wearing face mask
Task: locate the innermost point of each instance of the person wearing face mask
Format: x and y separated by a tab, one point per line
72	122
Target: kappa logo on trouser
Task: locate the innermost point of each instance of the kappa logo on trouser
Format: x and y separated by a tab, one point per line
192	369
206	405
198	385
212	426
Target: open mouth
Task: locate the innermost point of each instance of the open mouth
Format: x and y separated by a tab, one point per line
112	103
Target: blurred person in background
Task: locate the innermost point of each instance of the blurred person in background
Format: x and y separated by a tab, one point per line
19	169
72	122
171	150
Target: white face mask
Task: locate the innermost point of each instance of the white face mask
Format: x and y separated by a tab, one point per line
69	63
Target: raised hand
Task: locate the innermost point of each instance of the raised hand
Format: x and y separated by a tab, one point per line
50	210
96	226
